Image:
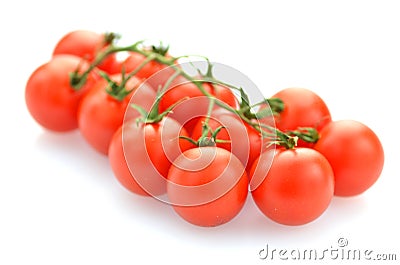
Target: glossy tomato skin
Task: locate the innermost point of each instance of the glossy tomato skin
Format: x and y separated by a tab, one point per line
355	154
50	99
141	154
86	44
207	186
296	189
302	108
100	114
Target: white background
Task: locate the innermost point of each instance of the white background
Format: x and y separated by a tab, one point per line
59	201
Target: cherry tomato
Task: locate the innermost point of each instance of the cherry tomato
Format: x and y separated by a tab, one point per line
240	138
302	108
100	114
135	59
156	72
355	154
296	189
87	44
141	154
50	99
207	186
189	111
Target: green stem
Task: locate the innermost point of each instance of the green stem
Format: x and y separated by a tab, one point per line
167	84
278	136
205	139
307	134
119	91
78	80
154	115
209	110
137	69
277	106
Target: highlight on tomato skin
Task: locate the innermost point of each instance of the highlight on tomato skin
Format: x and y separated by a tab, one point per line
355	154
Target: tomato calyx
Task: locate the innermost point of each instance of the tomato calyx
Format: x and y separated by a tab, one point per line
118	91
275	136
245	112
77	80
154	115
285	140
160	49
289	139
110	38
307	134
115	90
208	136
276	104
156	53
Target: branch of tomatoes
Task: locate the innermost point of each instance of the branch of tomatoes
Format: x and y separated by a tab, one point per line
349	155
159	53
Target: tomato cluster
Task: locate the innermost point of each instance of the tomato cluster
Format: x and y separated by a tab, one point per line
197	143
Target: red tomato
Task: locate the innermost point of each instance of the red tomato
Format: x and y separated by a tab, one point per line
355	154
135	59
121	169
50	99
86	44
141	154
207	186
302	108
245	142
189	111
100	114
296	189
156	72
